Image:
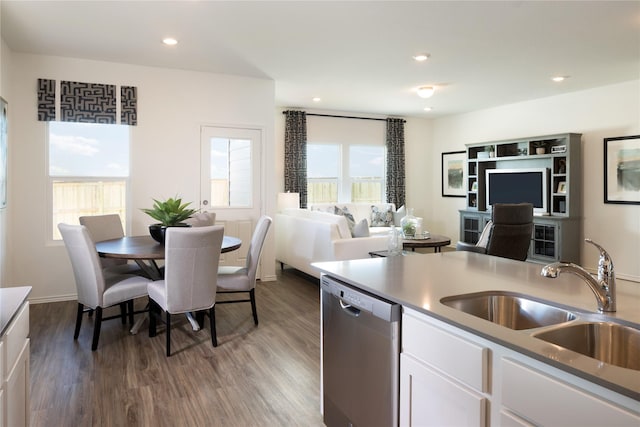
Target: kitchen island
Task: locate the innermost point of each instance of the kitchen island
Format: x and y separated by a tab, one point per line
506	358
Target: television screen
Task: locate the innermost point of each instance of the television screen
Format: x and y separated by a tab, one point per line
518	186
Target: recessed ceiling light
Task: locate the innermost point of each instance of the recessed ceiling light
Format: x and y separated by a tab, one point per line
316	99
421	57
428	109
170	41
558	79
425	91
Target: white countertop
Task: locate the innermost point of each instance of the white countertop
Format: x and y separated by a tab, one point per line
10	301
420	282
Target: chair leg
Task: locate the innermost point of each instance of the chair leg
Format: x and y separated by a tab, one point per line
123	312
96	329
130	309
212	325
254	310
76	333
168	334
152	318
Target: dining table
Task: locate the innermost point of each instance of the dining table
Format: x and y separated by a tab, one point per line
146	251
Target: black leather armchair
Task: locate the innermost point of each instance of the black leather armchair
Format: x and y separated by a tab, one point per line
508	234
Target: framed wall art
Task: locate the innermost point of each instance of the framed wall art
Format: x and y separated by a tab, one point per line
453	174
622	170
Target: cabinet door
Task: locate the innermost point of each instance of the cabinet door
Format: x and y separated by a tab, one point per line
544	246
17	390
545	400
428	398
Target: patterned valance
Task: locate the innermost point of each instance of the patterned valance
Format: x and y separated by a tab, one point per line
86	102
46	100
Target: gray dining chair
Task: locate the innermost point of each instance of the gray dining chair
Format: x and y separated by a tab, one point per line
201	219
192	255
108	227
232	280
96	290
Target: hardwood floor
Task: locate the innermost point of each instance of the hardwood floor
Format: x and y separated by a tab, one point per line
257	376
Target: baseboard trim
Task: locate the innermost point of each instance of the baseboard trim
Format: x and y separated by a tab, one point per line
57	298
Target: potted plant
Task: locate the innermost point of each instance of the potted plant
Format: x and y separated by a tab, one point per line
169	213
540	146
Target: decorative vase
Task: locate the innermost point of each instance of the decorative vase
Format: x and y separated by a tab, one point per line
158	231
410	224
394	242
541	150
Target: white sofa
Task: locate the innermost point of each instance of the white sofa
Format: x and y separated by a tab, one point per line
303	236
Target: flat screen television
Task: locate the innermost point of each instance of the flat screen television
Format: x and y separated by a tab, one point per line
519	186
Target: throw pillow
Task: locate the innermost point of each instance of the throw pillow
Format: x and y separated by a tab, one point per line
381	217
361	229
398	215
345	213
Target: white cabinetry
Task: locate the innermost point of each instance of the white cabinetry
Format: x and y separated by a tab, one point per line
442	377
452	377
14	365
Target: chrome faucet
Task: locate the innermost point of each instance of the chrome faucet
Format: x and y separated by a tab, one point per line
603	287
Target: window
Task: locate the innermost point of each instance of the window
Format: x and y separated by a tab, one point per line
337	173
231	172
323	170
88	171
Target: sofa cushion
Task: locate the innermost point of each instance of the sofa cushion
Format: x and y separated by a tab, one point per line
344	211
398	215
361	229
381	216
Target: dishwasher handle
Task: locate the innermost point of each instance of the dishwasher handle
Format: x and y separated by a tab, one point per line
349	309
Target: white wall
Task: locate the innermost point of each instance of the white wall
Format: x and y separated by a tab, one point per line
165	151
597	114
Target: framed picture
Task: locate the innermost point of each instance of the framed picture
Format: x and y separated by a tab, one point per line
453	174
622	170
562	187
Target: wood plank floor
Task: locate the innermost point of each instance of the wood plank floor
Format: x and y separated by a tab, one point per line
257	376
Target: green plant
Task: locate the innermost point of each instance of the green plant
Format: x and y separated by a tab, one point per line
169	212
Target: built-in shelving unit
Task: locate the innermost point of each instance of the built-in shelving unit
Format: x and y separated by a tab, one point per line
556	234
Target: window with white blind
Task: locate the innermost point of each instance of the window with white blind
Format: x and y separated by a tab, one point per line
345	173
88	172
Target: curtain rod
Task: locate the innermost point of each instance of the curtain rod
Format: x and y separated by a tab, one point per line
346	117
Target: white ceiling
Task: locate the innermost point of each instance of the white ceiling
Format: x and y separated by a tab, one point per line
355	55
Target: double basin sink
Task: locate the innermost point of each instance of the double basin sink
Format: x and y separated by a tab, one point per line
607	341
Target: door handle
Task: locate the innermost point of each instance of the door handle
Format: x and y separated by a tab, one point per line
349	309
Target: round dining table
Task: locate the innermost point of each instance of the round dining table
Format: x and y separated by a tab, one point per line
146	248
145	251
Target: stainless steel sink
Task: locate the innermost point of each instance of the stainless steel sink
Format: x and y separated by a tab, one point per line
508	309
608	342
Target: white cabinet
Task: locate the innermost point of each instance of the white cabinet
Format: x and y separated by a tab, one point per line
579	407
14	366
452	377
429	398
443	377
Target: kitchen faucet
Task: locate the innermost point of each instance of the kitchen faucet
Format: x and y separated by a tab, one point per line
604	287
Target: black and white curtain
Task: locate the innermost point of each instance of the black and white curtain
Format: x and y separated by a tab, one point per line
295	154
86	102
395	162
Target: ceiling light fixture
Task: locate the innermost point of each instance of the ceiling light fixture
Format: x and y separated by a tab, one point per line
559	79
316	99
170	41
425	91
421	57
428	109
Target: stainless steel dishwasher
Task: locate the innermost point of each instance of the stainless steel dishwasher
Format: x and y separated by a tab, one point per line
361	352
